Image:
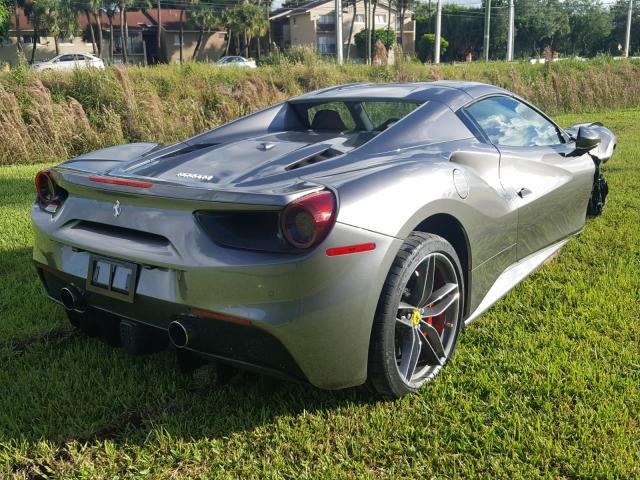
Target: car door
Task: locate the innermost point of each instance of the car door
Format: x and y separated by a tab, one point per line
66	62
539	169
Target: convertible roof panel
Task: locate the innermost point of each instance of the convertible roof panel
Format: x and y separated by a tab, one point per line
450	92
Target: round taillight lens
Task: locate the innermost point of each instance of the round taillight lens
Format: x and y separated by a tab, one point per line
49	193
307	221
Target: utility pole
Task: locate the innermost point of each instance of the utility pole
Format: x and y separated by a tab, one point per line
339	41
511	31
627	38
487	25
436	47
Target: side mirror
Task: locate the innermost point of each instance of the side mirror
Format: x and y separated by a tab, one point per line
587	139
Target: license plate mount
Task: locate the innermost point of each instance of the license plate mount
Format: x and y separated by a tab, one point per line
113	278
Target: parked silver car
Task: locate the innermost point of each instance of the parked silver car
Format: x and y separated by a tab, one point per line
340	237
235	61
69	61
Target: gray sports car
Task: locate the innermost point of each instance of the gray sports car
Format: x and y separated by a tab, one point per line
341	237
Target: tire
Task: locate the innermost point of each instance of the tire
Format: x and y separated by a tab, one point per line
404	353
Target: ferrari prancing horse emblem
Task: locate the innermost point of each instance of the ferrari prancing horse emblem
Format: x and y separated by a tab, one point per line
116	209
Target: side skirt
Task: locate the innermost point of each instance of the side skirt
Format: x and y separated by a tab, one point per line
513	276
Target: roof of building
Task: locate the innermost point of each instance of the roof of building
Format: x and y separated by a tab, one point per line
304	8
135	19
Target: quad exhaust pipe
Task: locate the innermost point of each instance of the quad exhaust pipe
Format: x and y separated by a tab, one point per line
72	298
181	334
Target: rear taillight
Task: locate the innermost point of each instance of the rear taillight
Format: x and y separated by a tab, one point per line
307	221
50	194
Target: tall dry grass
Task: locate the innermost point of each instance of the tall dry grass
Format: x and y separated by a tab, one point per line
51	116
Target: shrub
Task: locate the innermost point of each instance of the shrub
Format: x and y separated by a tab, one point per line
296	54
426	47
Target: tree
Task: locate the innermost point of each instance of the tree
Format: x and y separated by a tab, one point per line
590	26
205	19
540	23
38	14
353	4
111	10
387	37
5	15
124	30
401	8
14	4
61	20
619	13
93	8
426	47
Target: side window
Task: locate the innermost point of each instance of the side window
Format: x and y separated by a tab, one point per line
66	58
509	122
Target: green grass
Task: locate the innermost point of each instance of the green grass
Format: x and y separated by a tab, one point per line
546	384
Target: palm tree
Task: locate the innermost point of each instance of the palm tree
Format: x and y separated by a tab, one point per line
354	4
257	25
87	14
61	17
122	6
111	9
14	4
181	4
94	8
205	19
36	12
159	39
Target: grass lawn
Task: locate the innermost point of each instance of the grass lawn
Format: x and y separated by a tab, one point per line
546	384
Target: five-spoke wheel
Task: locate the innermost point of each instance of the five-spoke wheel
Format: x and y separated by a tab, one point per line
419	316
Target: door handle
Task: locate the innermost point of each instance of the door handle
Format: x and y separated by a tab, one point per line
523	192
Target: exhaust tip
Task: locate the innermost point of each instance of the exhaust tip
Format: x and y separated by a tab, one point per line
181	334
71	298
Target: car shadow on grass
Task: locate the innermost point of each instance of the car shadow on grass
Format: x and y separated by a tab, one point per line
69	387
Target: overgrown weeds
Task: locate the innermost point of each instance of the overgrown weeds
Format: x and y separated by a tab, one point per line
51	116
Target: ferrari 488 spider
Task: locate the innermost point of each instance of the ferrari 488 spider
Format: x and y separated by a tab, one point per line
341	237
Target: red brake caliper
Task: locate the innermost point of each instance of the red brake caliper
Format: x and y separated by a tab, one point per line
437	322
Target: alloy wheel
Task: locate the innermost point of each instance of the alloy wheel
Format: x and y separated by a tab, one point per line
427	319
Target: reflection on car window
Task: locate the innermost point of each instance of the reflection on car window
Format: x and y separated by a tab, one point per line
385	114
508	122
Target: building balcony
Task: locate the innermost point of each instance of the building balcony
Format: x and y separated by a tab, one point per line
325	27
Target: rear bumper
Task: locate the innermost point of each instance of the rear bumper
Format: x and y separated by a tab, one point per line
308	318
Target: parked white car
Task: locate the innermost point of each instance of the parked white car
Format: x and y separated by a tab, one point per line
235	61
69	61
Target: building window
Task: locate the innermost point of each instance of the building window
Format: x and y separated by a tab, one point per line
30	39
65	40
326	19
294	20
326	45
359	17
381	19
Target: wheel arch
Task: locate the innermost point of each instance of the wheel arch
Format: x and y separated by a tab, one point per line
451	229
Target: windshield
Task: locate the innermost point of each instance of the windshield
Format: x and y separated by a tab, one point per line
353	116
